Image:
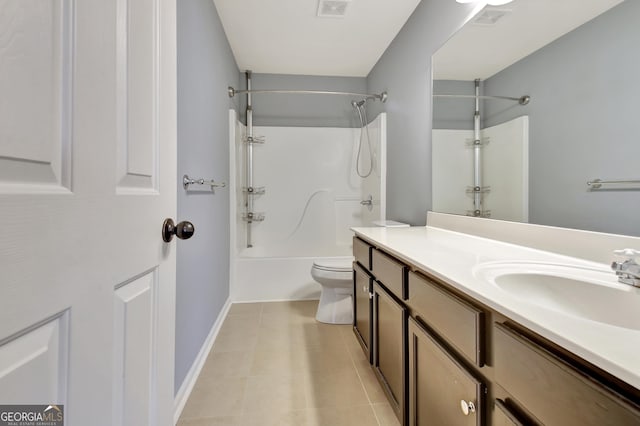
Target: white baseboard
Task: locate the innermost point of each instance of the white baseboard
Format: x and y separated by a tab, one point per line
189	381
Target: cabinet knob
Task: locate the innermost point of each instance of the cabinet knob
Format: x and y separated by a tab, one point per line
467	407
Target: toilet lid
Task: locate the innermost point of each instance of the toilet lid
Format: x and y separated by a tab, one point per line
342	265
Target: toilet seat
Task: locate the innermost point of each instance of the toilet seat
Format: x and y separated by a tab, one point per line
339	265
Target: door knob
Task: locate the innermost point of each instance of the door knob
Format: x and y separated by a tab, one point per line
183	230
467	407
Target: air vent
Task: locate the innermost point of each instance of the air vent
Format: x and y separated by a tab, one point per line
490	16
332	8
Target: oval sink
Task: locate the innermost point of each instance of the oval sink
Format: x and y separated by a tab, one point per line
583	292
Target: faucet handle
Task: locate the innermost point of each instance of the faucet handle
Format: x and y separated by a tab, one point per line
629	253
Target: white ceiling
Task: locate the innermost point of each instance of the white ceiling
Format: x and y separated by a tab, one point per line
286	36
480	51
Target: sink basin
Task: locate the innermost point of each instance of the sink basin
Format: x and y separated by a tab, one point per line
583	292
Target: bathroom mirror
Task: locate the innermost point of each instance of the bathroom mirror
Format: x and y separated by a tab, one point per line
579	62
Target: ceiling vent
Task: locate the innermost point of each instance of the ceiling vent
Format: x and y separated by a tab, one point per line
332	8
490	16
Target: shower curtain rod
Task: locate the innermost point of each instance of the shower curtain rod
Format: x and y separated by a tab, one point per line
522	100
381	97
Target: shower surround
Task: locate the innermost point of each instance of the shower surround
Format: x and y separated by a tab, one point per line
312	197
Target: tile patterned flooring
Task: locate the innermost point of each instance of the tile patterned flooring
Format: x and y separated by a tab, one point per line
274	364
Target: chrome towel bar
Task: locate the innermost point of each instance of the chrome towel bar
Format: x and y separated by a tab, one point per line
186	181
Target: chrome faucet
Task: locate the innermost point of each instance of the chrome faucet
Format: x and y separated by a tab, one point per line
628	272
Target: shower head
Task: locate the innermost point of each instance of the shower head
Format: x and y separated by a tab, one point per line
356	104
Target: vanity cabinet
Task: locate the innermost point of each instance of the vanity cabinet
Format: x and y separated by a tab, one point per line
442	391
444	358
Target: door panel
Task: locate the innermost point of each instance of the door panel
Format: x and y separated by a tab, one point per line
34	363
35	58
133	347
88	101
137	83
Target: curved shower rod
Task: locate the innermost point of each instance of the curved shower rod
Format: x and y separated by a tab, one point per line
522	100
381	97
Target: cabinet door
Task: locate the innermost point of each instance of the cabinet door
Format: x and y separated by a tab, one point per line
389	343
362	304
441	390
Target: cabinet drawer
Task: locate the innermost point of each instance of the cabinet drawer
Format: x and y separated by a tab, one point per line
362	252
389	272
552	390
455	320
439	384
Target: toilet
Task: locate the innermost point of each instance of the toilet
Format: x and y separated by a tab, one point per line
336	278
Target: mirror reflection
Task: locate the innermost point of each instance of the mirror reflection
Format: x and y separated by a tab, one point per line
541	161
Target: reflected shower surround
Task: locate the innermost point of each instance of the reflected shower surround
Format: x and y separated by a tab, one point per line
312	197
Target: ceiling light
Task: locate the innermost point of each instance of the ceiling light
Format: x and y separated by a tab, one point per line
332	8
489	2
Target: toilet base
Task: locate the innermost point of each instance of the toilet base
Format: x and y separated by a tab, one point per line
335	306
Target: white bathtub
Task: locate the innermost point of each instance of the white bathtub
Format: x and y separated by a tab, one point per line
267	274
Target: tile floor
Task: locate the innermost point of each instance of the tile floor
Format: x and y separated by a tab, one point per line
273	364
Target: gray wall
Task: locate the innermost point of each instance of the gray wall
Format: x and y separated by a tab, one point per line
583	122
454	113
302	110
404	70
205	68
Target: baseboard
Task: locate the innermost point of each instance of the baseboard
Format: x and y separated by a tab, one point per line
306	299
189	381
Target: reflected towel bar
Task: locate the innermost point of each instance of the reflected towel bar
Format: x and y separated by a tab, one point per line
597	183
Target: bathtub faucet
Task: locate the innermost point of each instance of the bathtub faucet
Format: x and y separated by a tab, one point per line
368	202
628	272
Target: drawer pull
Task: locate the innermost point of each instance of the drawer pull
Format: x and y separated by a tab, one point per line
467	407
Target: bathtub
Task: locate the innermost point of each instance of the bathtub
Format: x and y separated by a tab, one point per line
284	278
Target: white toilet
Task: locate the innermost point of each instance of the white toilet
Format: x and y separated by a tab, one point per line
336	278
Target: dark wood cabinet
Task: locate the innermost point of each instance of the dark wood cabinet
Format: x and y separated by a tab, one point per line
457	321
362	308
553	390
442	390
503	416
444	358
389	322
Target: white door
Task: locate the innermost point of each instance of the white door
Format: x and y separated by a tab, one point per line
87	176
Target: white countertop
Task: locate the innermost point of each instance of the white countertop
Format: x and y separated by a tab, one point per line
451	256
